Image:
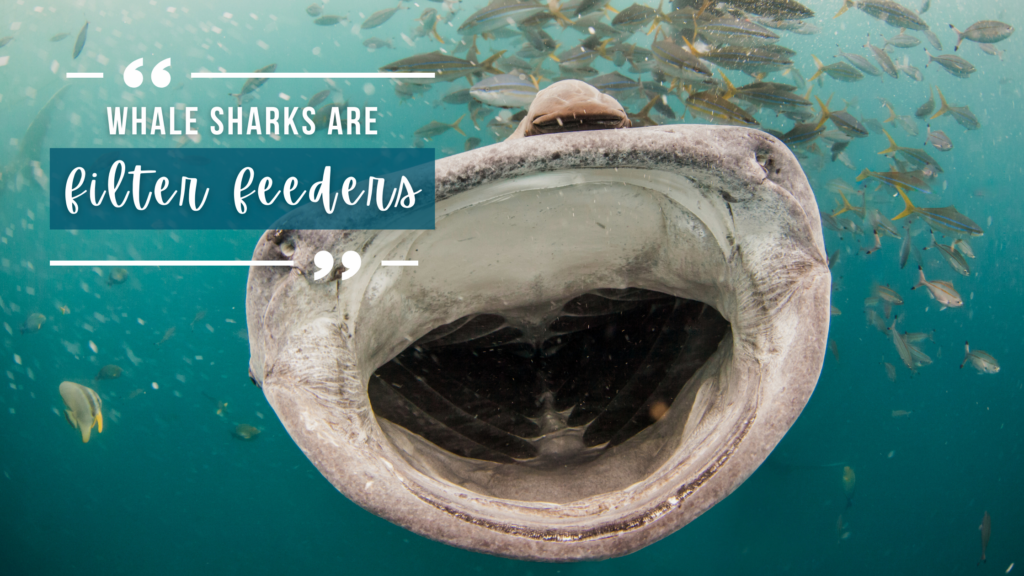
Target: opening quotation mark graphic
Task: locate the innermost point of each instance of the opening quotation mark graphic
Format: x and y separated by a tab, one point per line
160	77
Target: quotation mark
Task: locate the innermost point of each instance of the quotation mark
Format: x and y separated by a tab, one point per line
325	263
160	77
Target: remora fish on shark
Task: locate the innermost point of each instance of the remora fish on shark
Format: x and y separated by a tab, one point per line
453	398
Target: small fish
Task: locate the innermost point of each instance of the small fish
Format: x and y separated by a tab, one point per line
861	63
964	246
80	41
901	40
883	60
64	310
939	139
981	360
253	84
471	143
909	70
318	98
887	11
842	71
515	90
899	180
849	484
59	37
953	257
117	276
329	20
890	372
940	290
953	64
887	294
902	348
731	30
377	43
905	247
498	14
933	39
199	316
108	372
245	432
777	9
986	533
750	60
379	17
634	17
315	10
962	114
925	6
947	218
900	413
915	156
712	106
446	68
925	109
991	50
34	323
168	335
84	408
843	120
985	31
435	128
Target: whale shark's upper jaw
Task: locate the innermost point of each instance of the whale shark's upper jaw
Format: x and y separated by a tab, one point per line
607	333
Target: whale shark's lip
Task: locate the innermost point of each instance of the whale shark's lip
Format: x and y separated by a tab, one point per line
713	220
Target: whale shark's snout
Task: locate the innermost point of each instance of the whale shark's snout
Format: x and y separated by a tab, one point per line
607	333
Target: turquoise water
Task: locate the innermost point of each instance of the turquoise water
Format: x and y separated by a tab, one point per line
168	488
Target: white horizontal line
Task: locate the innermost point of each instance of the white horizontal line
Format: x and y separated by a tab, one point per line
399	262
172	262
84	75
368	75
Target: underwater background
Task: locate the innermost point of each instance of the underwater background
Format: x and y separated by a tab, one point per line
173	485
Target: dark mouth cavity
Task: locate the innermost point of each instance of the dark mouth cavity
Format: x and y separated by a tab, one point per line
558	390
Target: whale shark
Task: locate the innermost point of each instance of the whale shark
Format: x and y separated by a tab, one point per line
608	331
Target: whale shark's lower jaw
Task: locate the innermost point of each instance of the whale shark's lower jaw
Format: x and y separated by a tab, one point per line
606	334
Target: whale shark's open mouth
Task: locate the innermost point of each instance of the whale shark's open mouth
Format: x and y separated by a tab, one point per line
607	333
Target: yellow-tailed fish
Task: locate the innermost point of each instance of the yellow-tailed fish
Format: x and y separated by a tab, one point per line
947	218
84	408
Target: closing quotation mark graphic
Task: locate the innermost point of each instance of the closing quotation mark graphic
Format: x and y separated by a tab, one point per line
160	77
325	263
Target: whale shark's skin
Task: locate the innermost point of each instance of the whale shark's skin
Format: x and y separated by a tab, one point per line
717	219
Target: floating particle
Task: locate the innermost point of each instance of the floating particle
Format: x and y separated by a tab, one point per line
155	386
284	96
54	66
262	44
228	15
92	346
369	89
17	360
